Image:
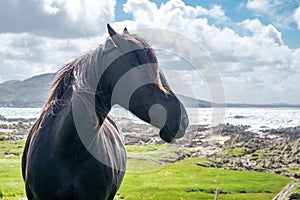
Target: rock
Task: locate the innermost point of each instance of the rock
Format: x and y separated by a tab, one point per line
294	196
259	170
296	176
273	150
288	192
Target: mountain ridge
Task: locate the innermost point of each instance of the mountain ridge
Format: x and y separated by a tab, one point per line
34	91
31	92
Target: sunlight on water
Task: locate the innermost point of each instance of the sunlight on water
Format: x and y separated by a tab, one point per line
25	113
257	118
264	118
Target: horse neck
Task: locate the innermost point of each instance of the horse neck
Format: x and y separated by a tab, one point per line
102	106
89	91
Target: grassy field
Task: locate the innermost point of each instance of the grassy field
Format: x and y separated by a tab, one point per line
11	182
187	179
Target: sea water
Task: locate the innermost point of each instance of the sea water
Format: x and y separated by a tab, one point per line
256	118
25	113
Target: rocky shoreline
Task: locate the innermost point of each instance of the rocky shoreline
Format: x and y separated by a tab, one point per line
233	147
224	146
16	120
276	150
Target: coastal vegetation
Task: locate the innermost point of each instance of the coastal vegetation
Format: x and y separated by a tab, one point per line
161	171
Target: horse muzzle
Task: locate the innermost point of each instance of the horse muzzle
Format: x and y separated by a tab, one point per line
169	135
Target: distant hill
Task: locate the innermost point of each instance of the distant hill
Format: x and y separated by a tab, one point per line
33	92
192	102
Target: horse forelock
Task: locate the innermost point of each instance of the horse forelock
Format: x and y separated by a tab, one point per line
150	55
146	55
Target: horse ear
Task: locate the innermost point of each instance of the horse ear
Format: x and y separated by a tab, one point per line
117	39
111	31
125	31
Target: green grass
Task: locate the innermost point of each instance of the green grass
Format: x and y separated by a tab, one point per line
262	154
11	147
297	189
186	180
11	182
142	158
145	148
180	180
236	152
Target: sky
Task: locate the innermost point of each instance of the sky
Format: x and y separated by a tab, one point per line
255	44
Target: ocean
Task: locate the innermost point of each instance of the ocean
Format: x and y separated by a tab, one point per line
257	118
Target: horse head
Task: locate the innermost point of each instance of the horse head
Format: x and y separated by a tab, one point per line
140	86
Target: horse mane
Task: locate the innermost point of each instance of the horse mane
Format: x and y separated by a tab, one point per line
65	77
63	80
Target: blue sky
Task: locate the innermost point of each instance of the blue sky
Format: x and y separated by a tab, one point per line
237	11
255	44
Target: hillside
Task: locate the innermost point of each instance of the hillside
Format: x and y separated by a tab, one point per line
31	92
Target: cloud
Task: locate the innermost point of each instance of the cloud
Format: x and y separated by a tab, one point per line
297	17
261	31
256	66
56	18
277	12
253	64
173	13
260	6
23	55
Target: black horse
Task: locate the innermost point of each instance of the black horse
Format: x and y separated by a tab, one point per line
75	150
